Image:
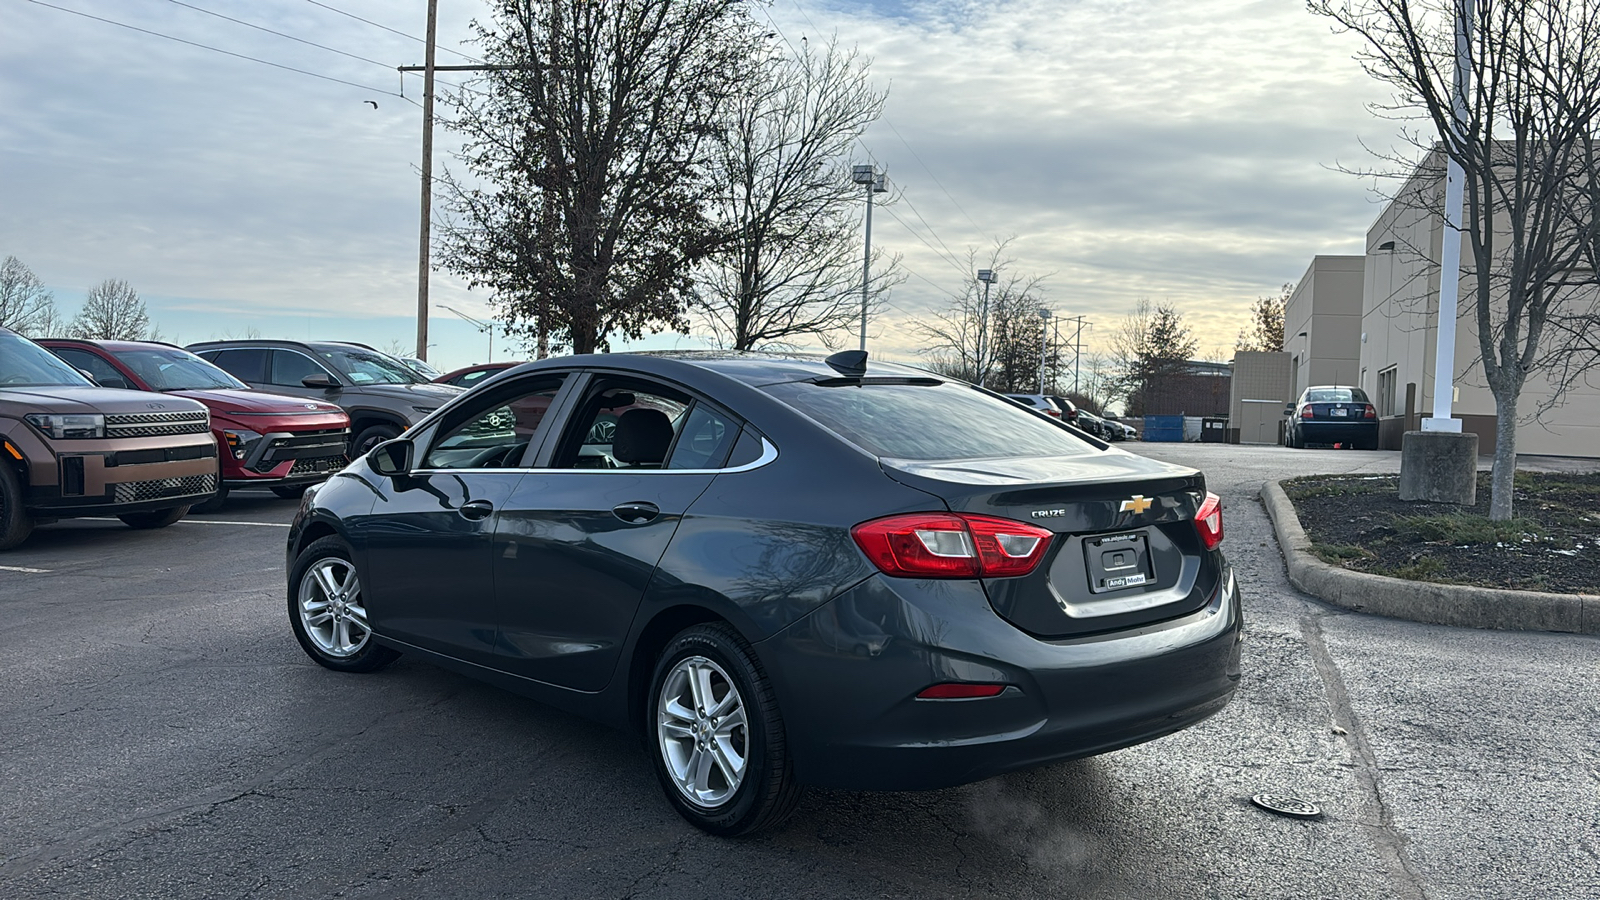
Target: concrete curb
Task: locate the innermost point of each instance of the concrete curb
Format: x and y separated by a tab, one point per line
1421	601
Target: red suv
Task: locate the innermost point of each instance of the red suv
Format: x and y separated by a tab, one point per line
263	440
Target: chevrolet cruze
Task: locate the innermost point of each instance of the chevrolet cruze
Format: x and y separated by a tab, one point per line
780	571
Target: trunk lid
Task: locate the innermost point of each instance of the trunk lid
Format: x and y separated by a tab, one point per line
1125	553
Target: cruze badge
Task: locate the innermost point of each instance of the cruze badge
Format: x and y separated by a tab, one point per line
1048	513
1138	504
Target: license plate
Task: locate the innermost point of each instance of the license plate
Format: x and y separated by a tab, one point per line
1118	561
1341	412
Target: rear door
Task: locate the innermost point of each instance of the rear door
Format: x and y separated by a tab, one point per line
582	533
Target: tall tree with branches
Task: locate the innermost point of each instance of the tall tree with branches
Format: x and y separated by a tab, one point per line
112	311
1525	148
789	264
584	150
25	306
1150	344
983	337
1266	323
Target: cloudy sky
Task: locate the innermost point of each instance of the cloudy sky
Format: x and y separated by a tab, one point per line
1178	150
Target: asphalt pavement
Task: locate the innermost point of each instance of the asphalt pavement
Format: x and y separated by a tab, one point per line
164	736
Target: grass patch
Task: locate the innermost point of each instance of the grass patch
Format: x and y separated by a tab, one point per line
1458	528
1337	553
1421	568
1308	487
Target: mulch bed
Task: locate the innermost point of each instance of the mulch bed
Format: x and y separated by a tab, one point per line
1553	544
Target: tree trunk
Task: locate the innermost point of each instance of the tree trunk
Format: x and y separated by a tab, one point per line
1505	458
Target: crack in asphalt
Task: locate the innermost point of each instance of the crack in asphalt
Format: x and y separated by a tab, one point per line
1389	841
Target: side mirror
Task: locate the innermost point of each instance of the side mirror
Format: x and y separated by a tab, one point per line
1288	410
319	380
113	381
392	458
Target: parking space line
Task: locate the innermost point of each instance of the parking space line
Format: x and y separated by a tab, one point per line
24	570
195	522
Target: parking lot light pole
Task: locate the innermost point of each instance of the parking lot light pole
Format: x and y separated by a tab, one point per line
986	276
1044	343
876	183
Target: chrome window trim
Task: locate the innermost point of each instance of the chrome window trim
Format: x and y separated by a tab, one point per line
768	454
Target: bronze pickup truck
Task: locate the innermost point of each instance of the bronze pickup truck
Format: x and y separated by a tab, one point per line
69	448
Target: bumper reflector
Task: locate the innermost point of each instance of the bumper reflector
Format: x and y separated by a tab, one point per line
960	691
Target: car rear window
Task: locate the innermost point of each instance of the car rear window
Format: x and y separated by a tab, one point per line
1336	395
927	421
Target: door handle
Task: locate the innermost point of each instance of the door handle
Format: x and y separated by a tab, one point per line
637	512
475	510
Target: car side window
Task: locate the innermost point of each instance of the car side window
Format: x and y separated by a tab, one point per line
246	364
289	367
103	373
704	439
622	424
494	431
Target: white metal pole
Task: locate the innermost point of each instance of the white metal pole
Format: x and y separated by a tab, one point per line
866	269
1444	351
1044	343
983	329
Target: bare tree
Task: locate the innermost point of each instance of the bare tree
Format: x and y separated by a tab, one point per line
112	311
1150	344
789	265
1266	322
991	339
1526	151
25	306
585	146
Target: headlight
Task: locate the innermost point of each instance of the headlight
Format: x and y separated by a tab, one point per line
240	442
61	427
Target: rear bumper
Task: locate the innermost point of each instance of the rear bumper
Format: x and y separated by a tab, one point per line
1320	432
847	676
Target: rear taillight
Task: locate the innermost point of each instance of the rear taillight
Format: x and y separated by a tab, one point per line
1208	521
1306	413
1370	413
950	545
1053	412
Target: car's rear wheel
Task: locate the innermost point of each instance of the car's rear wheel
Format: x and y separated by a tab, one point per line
328	613
720	750
159	518
290	492
15	523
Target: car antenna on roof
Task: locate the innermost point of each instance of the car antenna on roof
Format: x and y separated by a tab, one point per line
849	362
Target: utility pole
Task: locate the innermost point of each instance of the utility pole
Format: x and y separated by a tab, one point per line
876	183
1044	343
427	182
1077	351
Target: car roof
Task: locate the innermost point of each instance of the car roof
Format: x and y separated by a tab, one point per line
274	342
110	345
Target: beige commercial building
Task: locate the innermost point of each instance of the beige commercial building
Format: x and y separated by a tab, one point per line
1395	342
1262	383
1322	323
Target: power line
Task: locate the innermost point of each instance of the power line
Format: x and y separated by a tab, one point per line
410	37
217	49
278	33
952	258
918	236
931	175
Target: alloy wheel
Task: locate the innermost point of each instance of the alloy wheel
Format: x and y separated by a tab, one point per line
702	731
330	607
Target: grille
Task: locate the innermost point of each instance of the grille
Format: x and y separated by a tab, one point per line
322	465
189	485
157	424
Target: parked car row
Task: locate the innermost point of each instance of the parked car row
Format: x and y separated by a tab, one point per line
1106	429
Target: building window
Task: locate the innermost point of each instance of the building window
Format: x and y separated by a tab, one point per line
1386	380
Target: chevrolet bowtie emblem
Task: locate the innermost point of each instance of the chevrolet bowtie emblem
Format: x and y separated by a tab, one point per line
1138	504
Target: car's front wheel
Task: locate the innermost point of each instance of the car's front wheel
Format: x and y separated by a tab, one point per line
720	751
371	436
15	523
329	614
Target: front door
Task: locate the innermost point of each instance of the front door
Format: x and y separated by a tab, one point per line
429	538
580	538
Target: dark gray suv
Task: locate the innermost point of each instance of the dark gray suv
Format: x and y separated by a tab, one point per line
382	395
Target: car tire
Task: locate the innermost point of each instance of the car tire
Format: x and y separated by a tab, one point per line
328	613
290	492
371	436
683	731
15	523
160	518
212	503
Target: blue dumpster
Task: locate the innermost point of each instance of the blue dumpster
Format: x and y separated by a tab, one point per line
1163	428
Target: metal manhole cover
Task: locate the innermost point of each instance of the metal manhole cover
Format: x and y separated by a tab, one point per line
1287	806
